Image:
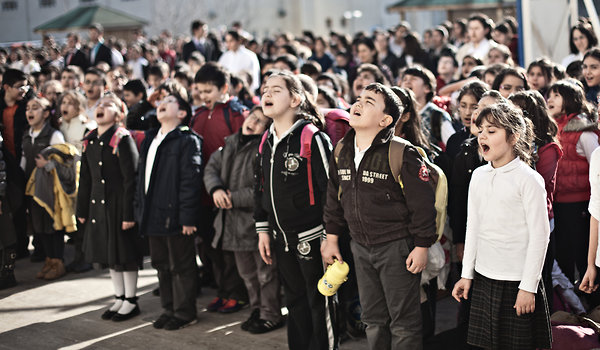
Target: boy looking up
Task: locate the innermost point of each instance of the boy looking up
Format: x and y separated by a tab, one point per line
392	230
168	189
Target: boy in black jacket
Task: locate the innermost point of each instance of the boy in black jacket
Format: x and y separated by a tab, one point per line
391	225
167	202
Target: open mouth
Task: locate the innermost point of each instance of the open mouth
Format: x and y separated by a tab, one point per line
162	108
484	148
99	115
30	117
268	104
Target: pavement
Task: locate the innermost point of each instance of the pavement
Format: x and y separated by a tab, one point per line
65	314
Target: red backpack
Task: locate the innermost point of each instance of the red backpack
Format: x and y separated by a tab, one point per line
308	131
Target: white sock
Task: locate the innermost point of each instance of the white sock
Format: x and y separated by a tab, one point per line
126	307
130	283
119	287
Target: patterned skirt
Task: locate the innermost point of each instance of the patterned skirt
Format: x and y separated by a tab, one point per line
494	324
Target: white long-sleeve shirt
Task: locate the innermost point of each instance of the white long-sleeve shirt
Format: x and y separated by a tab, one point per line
242	60
594	206
507	225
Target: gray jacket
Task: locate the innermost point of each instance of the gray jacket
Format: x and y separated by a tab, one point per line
231	168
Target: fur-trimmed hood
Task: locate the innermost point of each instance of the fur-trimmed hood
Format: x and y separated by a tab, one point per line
580	122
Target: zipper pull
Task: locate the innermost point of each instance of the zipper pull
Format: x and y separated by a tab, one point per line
287	249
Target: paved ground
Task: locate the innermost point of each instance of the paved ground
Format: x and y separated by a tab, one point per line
65	314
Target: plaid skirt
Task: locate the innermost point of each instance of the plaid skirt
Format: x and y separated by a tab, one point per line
494	324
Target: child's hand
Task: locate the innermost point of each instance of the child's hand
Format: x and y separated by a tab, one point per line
188	230
461	289
153	98
82	220
417	260
525	303
222	199
126	225
40	161
330	250
589	279
264	247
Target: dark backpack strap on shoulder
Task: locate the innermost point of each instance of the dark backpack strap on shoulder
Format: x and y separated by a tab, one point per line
337	150
227	118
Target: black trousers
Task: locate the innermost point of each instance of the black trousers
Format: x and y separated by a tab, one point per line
308	318
571	233
229	283
174	257
54	244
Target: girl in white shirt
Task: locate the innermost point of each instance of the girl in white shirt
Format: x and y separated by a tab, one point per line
506	239
588	283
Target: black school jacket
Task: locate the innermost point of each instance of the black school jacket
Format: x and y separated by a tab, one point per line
282	201
173	197
371	205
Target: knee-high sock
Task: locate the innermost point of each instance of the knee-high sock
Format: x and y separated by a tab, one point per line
130	279
119	287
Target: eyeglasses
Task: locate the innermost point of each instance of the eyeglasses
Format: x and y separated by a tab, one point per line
167	100
255	119
21	87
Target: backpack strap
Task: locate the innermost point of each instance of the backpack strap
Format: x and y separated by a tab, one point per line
262	141
308	132
396	157
227	118
116	138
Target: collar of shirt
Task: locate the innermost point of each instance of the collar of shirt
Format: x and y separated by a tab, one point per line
513	164
277	139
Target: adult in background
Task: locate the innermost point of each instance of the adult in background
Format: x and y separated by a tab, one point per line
198	42
74	55
237	58
98	52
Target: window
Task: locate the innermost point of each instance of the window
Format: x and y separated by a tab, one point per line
47	3
9	5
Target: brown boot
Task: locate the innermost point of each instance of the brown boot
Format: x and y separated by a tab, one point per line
44	270
57	270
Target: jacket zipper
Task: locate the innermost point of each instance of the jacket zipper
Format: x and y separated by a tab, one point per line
273	148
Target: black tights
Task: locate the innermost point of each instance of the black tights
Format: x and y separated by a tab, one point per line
54	244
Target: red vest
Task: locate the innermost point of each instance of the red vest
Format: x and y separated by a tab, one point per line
572	176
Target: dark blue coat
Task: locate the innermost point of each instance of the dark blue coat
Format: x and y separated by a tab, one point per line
173	197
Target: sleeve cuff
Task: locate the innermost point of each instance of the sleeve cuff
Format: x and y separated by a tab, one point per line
214	189
333	229
425	242
529	286
262	226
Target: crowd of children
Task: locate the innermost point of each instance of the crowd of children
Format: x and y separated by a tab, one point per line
270	160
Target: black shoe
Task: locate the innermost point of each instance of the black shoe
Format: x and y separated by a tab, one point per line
117	317
263	326
156	292
254	316
176	323
124	317
161	321
8	281
108	314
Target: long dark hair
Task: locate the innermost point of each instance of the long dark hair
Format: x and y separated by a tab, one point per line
412	129
573	97
534	108
307	108
585	29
